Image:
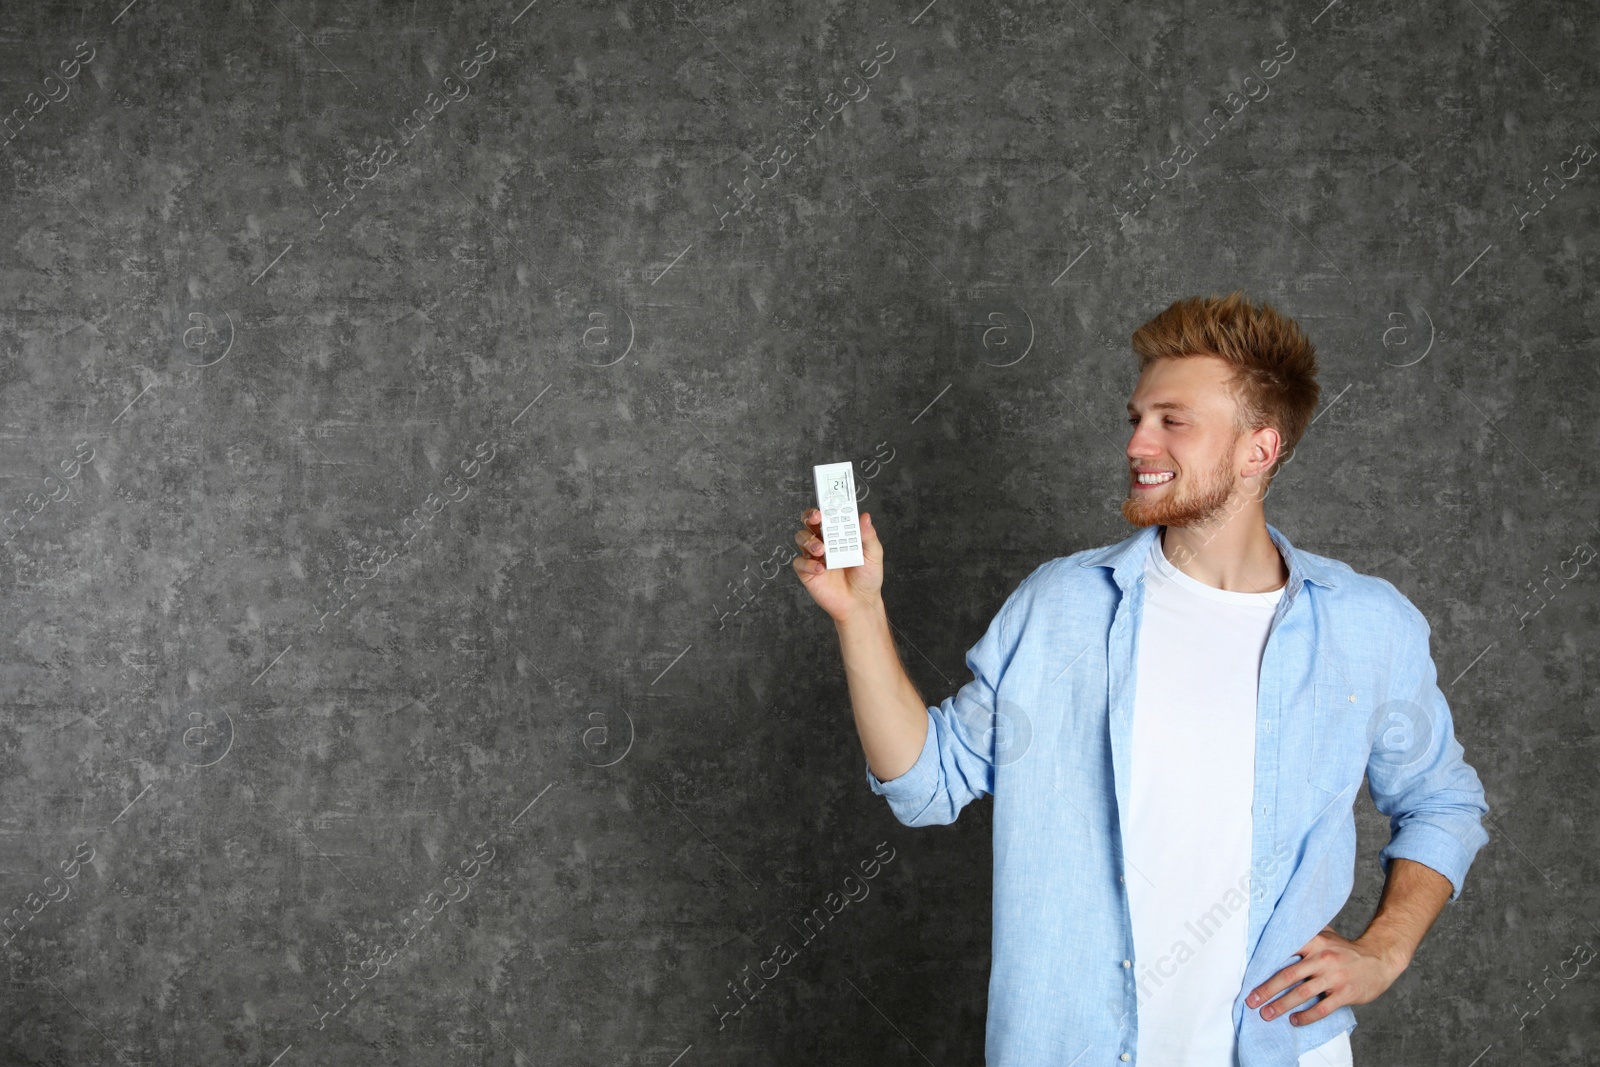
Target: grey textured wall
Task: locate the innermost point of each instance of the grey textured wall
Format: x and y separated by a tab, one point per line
407	410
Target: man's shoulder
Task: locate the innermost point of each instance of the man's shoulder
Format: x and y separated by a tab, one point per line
1062	579
1077	566
1060	571
1363	600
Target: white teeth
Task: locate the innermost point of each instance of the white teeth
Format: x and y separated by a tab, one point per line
1155	479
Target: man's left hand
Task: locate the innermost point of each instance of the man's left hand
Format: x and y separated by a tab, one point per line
1345	972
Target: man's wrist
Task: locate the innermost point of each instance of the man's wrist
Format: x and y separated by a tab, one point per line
867	611
1395	955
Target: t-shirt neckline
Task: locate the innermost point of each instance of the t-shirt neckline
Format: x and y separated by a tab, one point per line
1158	556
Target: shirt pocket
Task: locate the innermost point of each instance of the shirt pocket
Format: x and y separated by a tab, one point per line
1343	738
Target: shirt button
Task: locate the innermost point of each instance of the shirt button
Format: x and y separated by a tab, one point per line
1120	878
1352	698
1124	1056
1127	963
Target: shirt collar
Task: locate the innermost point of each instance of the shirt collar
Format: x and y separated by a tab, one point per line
1126	560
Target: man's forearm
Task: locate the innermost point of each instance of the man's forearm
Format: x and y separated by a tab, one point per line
1413	896
891	716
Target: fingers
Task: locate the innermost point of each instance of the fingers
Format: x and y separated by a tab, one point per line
810	542
1308	978
1280	981
1307	990
806	540
809	561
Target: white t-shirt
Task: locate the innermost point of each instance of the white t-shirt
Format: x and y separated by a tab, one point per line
1187	838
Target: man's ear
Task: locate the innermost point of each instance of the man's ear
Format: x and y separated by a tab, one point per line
1264	445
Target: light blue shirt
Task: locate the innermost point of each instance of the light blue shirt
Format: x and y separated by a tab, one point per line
1347	687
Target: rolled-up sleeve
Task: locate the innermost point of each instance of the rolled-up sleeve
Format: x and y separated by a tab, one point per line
1417	774
956	765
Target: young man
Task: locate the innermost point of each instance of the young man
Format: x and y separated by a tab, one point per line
1174	729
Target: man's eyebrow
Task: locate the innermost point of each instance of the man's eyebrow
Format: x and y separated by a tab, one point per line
1169	405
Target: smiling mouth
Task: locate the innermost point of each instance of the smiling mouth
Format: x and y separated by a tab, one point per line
1152	480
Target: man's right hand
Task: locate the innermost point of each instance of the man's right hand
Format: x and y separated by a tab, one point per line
843	591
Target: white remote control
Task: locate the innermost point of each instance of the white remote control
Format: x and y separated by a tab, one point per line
841	527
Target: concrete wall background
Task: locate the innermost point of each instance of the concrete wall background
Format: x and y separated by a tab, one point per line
544	408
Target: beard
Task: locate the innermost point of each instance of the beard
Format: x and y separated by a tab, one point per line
1183	505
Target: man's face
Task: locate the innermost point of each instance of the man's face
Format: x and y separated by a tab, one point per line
1195	446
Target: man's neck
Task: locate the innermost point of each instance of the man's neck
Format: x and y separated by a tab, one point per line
1237	556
